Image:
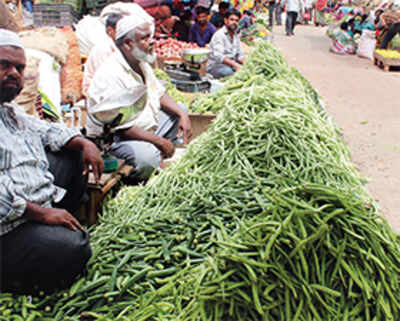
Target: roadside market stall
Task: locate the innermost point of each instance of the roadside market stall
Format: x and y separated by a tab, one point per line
263	218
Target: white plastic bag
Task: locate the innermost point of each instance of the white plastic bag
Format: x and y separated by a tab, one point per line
49	71
90	30
366	44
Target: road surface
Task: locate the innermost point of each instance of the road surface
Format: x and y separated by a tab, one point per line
363	100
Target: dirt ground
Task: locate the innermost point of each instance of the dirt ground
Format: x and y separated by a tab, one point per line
364	101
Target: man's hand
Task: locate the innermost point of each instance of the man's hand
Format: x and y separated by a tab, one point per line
91	156
185	128
171	107
57	216
51	216
166	147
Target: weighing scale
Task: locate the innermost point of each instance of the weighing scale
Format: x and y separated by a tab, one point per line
190	74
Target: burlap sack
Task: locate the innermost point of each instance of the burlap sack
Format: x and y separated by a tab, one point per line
71	72
8	19
47	39
27	98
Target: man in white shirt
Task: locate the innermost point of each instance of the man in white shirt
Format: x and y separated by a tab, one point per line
226	55
100	52
151	135
293	9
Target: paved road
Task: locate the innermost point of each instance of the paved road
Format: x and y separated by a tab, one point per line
364	101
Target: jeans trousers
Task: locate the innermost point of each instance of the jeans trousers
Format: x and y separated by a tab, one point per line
221	70
291	18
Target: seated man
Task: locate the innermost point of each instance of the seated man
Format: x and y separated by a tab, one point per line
100	52
201	31
43	247
247	20
217	19
152	132
226	50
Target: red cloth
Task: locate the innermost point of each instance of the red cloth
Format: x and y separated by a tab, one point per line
321	4
159	12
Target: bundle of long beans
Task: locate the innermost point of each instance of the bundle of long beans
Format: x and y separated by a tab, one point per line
264	218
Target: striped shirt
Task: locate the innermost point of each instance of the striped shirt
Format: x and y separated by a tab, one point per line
24	168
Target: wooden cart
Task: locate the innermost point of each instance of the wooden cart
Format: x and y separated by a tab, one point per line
385	63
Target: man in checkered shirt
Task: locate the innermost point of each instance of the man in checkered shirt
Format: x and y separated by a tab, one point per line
42	245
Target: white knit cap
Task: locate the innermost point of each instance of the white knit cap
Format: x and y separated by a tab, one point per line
134	20
9	38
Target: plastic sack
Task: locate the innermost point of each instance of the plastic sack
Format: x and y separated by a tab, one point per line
366	44
90	30
27	98
47	39
49	79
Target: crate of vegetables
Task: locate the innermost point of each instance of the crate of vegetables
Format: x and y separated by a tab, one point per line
169	49
386	59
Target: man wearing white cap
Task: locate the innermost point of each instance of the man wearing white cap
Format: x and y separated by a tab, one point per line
151	135
42	246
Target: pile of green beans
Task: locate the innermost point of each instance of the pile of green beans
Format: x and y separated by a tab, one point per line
263	63
170	88
264	218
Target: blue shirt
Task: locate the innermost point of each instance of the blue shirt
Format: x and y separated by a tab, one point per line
195	34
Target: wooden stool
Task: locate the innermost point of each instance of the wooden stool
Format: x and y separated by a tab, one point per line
97	192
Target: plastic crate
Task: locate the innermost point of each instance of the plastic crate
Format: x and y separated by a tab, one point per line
56	15
76	4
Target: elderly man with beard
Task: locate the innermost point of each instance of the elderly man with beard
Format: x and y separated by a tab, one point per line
152	133
42	246
202	31
226	50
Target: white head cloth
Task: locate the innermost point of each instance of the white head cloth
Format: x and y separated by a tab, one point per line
9	38
137	17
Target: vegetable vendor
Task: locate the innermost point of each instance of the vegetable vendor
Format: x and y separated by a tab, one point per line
43	246
100	51
157	126
342	41
202	30
217	19
390	22
226	55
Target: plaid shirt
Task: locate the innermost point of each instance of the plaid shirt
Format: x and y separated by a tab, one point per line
24	168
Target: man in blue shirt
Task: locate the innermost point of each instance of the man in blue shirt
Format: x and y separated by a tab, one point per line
202	31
